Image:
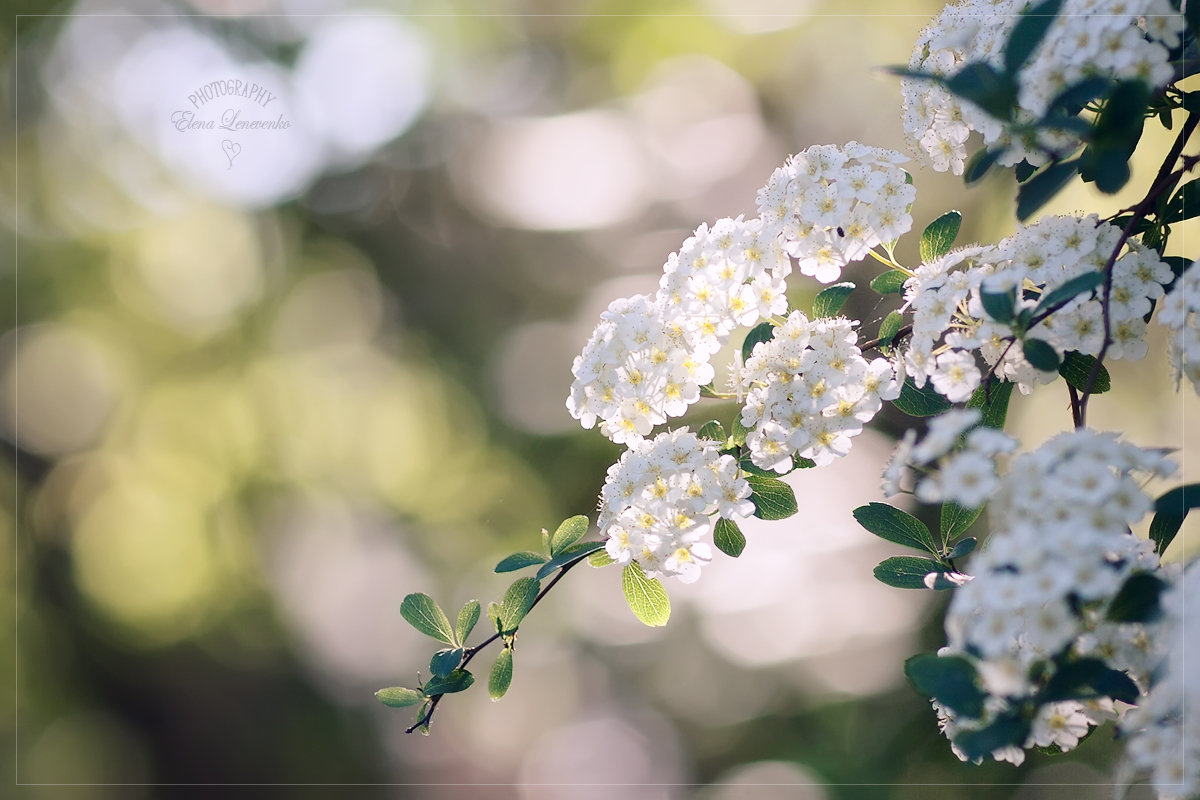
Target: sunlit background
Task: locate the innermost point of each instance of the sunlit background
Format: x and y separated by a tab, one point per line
260	383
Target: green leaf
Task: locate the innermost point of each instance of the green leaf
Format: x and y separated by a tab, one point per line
979	163
1041	355
569	532
772	498
890	282
1007	729
1071	100
494	616
829	301
501	677
963	548
1137	601
1037	191
1086	678
445	660
1056	298
1185	204
399	697
1170	510
423	614
992	399
600	559
1077	368
456	681
646	597
728	538
516	603
526	558
956	520
738	437
1028	33
747	465
568	555
906	572
923	402
713	431
1115	135
951	680
467	618
896	526
985	87
888	329
939	235
761	332
999	306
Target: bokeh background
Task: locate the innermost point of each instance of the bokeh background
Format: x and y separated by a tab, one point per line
252	400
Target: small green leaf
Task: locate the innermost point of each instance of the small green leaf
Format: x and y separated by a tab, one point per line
829	301
890	282
526	558
738	437
1037	191
646	597
772	498
494	616
1000	306
1170	510
888	329
600	559
1185	204
979	163
906	572
569	532
457	681
713	431
939	235
445	660
1006	730
956	520
951	680
728	537
423	614
501	677
896	526
467	618
1028	33
399	697
1086	678
1041	355
1076	368
985	87
1056	298
963	548
747	465
1137	601
568	555
992	399
1070	101
923	402
516	603
759	333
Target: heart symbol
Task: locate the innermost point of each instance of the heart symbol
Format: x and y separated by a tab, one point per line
232	149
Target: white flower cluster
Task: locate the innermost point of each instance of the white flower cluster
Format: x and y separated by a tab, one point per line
1179	314
1088	38
949	320
810	390
658	500
1164	730
967	476
832	204
648	357
1060	551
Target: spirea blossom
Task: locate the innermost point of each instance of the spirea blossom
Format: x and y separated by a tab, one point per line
1164	730
1059	552
951	324
1088	38
658	501
809	390
1179	313
830	205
